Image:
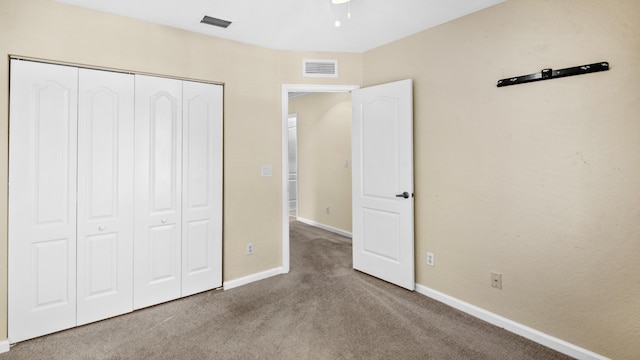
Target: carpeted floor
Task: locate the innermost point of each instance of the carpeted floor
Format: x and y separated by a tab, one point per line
322	309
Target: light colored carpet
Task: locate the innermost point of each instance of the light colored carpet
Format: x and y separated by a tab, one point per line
322	309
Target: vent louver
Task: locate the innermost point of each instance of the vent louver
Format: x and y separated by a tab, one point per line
320	68
215	22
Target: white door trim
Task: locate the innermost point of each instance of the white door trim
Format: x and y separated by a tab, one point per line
286	89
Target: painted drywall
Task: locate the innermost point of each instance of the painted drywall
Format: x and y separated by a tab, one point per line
541	181
324	144
537	181
252	78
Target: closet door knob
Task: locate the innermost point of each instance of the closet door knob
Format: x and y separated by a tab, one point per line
164	221
101	228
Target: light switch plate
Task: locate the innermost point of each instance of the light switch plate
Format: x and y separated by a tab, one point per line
266	170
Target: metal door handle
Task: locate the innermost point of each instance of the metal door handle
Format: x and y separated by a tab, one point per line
403	195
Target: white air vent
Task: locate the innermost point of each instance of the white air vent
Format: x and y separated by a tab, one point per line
319	68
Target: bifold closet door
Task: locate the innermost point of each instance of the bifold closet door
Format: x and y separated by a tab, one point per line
115	194
158	186
202	187
42	199
105	195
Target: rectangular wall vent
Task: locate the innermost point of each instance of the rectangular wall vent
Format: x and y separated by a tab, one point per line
319	68
215	22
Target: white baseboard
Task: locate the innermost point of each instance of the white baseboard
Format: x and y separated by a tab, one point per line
4	346
228	285
512	326
325	227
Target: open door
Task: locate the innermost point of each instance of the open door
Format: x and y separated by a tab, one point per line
382	147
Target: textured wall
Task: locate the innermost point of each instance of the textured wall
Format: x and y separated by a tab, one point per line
540	181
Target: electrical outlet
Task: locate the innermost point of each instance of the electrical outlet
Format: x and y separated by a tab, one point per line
496	280
328	210
249	248
431	259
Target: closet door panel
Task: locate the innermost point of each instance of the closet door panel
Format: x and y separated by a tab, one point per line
158	184
42	197
202	188
105	195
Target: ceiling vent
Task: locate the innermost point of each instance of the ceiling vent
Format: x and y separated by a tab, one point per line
215	22
319	68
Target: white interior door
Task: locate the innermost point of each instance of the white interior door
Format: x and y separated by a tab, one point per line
158	204
382	152
202	187
105	195
42	199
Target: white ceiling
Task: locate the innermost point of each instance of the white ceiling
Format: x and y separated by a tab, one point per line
305	25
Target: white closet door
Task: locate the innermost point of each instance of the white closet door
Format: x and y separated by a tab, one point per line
158	163
42	199
105	195
202	187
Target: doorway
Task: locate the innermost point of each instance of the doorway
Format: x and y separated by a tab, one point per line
286	89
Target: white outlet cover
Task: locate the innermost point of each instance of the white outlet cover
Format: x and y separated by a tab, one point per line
431	259
266	170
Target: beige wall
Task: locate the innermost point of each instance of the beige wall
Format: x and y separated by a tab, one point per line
324	143
536	181
253	78
540	181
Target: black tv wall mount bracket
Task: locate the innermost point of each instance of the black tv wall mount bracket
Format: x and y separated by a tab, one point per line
547	74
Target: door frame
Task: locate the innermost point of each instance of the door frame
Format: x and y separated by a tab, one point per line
286	89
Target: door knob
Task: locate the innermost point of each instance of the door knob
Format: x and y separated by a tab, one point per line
101	228
164	221
403	195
